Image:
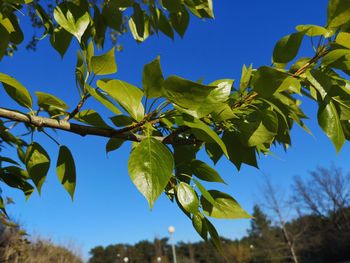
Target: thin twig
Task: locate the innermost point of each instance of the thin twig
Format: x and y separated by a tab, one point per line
52	138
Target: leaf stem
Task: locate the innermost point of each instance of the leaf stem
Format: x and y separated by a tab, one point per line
52	138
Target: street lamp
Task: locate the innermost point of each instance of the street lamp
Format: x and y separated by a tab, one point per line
159	259
171	231
126	259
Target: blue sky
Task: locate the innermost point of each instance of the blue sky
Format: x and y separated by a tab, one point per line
107	207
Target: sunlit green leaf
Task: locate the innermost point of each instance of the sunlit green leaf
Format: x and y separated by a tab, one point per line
314	30
225	207
343	39
37	163
338	13
65	169
152	79
91	117
51	103
16	91
70	22
187	197
329	121
127	95
102	99
104	64
151	166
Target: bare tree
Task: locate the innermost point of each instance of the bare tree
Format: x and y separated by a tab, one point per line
326	194
275	203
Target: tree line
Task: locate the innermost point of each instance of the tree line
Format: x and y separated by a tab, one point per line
318	231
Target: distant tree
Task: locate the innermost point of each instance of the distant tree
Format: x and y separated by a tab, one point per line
277	205
266	241
326	196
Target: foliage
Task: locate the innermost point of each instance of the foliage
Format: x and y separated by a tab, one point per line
170	119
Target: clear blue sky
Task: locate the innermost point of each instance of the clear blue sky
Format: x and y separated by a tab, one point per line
108	208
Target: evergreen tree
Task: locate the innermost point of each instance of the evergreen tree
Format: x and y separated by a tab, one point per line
266	241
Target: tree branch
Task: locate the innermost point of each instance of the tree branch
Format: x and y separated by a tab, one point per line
77	108
84	130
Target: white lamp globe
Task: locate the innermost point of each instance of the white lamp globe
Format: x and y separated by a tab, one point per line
171	230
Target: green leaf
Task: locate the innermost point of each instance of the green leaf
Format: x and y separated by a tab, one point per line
287	48
71	22
205	193
102	99
196	99
65	169
329	121
151	165
185	93
225	206
104	64
260	130
338	13
204	132
267	81
138	24
16	91
215	238
214	151
80	73
246	76
89	53
112	15
200	225
91	117
343	39
127	95
183	155
314	31
319	81
5	40
237	152
337	58
187	197
122	120
164	24
205	172
344	108
51	103
15	177
114	144
152	79
37	163
100	27
202	9
172	5
180	21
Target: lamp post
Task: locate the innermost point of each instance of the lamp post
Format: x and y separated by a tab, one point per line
126	259
171	231
159	259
